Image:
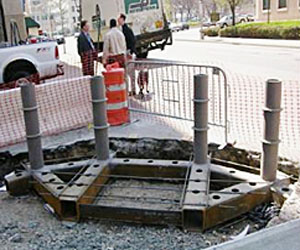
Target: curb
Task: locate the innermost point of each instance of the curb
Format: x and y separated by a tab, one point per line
239	43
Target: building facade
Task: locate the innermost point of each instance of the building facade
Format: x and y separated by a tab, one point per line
277	10
54	16
11	11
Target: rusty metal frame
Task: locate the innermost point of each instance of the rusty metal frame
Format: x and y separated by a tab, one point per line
201	208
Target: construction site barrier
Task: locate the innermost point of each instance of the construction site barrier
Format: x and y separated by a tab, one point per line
63	105
116	92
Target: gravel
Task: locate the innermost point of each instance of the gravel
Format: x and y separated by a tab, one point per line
24	224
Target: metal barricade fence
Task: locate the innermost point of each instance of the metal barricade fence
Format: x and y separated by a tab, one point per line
170	91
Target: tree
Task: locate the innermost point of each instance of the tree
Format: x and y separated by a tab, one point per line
232	5
187	8
62	11
168	9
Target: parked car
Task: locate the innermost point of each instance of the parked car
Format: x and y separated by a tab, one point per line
60	39
250	18
174	27
185	26
37	39
226	21
208	24
39	61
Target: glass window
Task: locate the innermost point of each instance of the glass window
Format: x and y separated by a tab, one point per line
266	4
282	4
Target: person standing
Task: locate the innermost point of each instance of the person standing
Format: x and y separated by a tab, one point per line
86	49
114	47
128	33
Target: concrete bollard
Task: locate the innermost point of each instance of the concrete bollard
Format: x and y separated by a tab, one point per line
31	118
201	119
269	162
100	118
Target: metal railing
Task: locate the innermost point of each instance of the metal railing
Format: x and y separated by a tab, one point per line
170	90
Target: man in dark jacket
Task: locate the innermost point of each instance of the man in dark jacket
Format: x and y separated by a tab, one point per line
86	49
128	33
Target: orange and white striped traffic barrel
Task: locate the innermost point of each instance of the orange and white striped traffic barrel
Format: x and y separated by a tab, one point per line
116	93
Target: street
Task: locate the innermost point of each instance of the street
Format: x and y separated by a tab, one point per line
247	60
259	61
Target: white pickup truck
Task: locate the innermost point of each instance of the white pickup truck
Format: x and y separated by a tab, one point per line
40	60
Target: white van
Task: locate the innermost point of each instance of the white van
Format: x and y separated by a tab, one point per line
145	17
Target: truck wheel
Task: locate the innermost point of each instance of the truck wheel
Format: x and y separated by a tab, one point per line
142	54
24	74
19	70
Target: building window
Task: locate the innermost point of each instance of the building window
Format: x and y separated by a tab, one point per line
282	4
266	4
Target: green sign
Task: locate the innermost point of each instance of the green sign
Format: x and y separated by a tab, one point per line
135	6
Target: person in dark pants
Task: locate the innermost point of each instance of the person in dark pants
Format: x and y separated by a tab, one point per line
86	49
128	33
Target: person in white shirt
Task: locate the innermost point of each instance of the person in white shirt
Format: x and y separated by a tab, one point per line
114	47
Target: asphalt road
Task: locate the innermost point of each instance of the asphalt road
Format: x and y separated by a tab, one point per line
248	60
259	61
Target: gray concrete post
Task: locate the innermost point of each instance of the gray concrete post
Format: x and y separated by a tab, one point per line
31	118
201	118
100	118
269	162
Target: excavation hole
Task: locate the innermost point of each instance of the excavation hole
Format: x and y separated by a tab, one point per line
80	185
96	166
52	180
18	174
232	171
253	184
197	180
126	160
199	170
71	164
45	173
88	175
60	187
150	161
216	197
175	162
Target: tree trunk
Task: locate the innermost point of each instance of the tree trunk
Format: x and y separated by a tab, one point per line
232	7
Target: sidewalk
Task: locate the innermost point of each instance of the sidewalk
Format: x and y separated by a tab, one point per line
194	36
